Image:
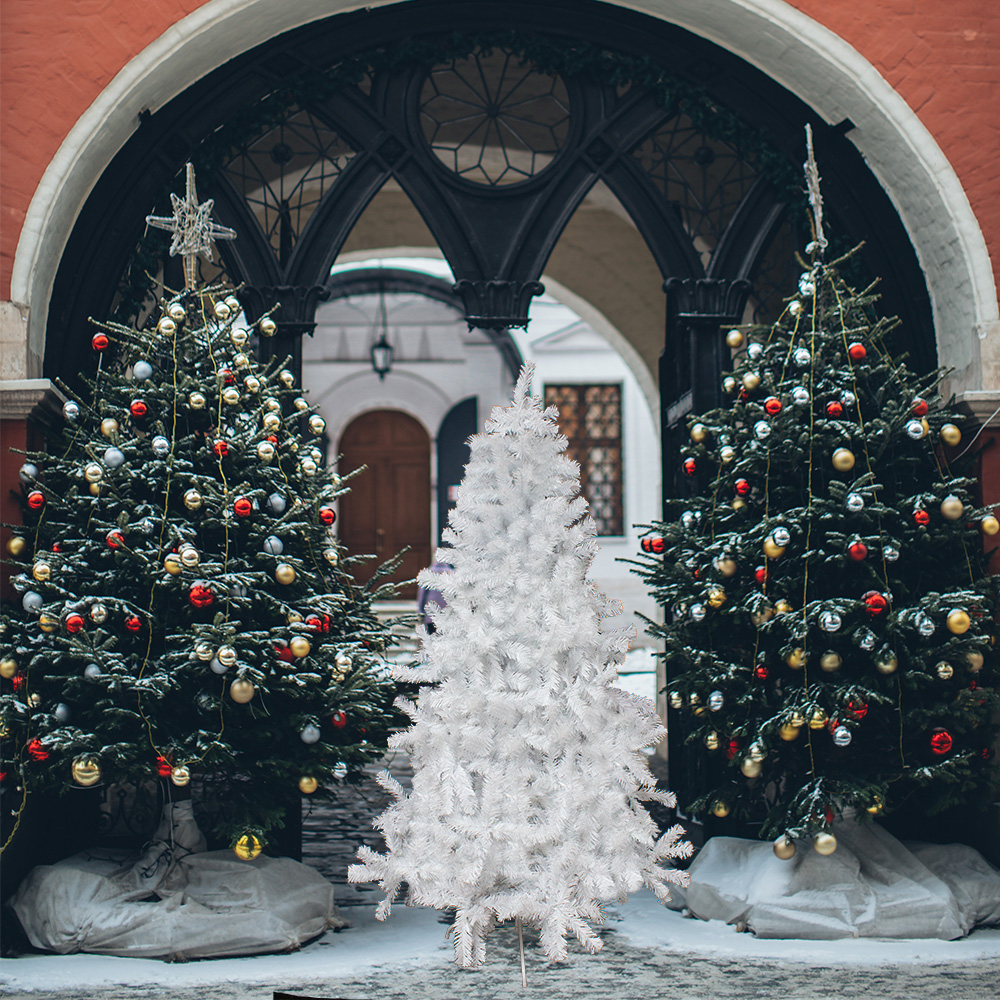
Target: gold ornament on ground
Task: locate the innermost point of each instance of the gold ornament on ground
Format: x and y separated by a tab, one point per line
784	848
247	847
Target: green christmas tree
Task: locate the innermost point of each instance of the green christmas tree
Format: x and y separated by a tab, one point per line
181	605
829	617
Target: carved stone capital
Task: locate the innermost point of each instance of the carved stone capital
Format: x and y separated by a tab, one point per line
496	304
713	301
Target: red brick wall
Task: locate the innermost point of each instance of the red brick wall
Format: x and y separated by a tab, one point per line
57	56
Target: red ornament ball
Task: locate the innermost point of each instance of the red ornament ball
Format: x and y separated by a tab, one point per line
858	551
163	766
36	499
875	602
74	623
36	750
941	741
243	507
138	408
834	409
987	753
647	545
690	466
57	547
221	449
742	487
327	515
733	748
201	595
772	406
227	375
921	516
318	623
919	407
18	681
856	708
339	719
284	652
657	544
99	341
857	351
761	672
115	539
760	574
133	623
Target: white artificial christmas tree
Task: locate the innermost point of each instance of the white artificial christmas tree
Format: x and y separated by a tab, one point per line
528	765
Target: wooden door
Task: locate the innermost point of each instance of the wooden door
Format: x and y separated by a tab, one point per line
389	506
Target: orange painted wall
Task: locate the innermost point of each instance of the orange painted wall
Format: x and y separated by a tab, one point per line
57	55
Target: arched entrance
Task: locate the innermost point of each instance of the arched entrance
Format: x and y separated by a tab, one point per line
389	506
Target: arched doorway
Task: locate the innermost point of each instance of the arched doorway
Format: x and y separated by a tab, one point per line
389	506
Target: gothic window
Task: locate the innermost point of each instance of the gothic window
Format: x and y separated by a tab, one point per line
591	418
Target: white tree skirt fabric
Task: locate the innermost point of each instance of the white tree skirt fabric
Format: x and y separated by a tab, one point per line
177	902
872	886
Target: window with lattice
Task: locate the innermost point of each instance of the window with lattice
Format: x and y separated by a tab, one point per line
591	418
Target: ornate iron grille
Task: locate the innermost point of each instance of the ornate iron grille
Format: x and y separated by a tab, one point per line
591	418
284	173
492	118
703	179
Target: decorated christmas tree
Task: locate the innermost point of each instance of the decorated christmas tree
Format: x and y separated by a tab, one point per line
528	764
829	618
181	605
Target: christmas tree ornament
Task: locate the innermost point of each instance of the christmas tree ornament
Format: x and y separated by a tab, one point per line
252	384
726	566
690	467
92	671
71	410
133	623
197	401
952	508
698	433
857	351
729	385
16	545
331	556
796	658
800	396
848	399
855	502
138	409
284	574
217	667
698	612
34	699
73	623
789	733
221	311
925	625
309	733
8	667
734	339
271	422
834	409
308	467
233	303
751	768
857	550
293	617
726	454
316	455
99	342
221	448
782	606
243	507
267	327
93	473
760	671
865	638
794	307
739	504
193	499
760	574
265	451
742	487
944	670
716	701
189	555
958	621
797	719
856	708
200	595
299	646
989	525
757	751
317	424
241	691
180	776
919	407
327	515
921	517
31	600
818	719
843	459
308	784
875	808
85	770
166	326
842	736
751	381
276	504
973	661
172	564
676	700
784	848
142	370
721	808
248	846
36	750
160	445
712	741
807	286
231	396
875	603
950	435
41	571
830	662
886	663
339	719
286	378
694	699
914	429
772	406
340	770
300	403
273	545
109	427
941	741
716	597
689	520
62	712
782	536
203	651
114	539
890	553
824	843
801	357
226	655
238	338
772	549
754	352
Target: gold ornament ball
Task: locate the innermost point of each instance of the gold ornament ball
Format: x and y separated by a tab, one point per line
309	467
86	770
193	499
726	566
284	574
265	451
176	312
734	339
252	384
721	809
331	556
48	623
247	847
299	646
16	545
952	508
241	361
226	656
788	732
974	661
317	424
698	433
824	843
818	719
751	768
271	422
716	597
676	701
990	525
784	848
830	661
241	691
693	699
286	378
109	427
300	403
93	473
180	776
34	699
945	670
167	326
751	381
739	503
727	453
196	401
772	549
712	741
203	651
231	396
8	667
875	808
271	405
796	659
293	617
41	571
190	556
308	784
267	326
221	311
797	719
173	565
238	338
950	434
958	621
843	459
782	607
763	616
95	489
887	664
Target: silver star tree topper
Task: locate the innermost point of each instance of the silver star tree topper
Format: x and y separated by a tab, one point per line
192	227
